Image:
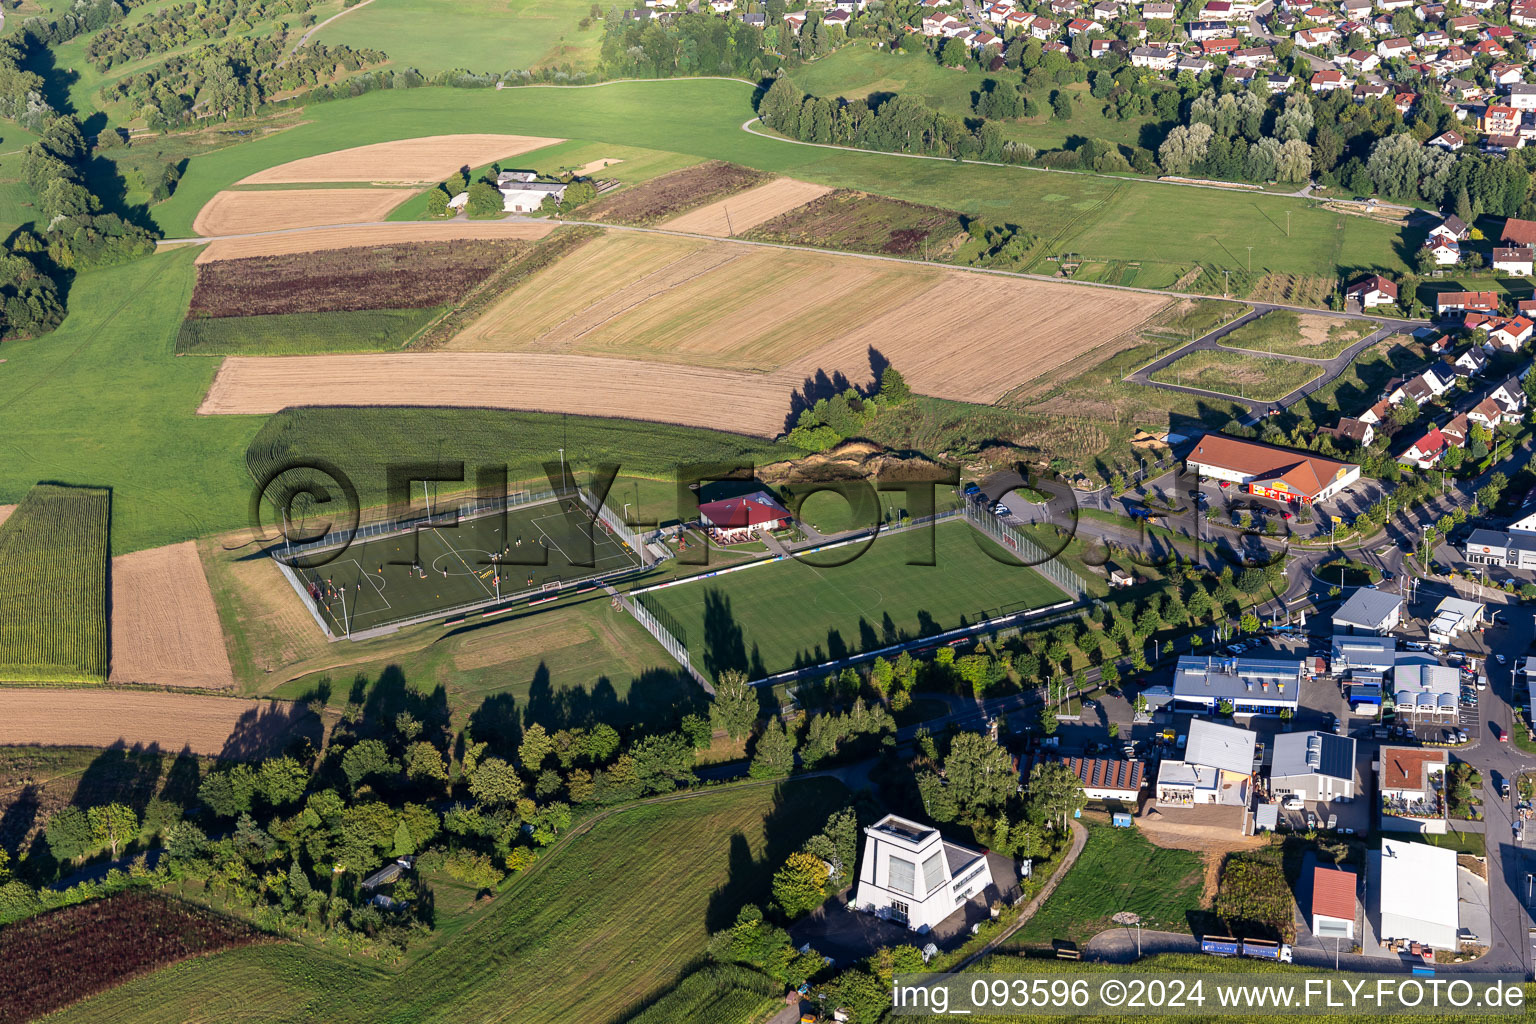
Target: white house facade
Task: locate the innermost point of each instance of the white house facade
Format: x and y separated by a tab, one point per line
910	875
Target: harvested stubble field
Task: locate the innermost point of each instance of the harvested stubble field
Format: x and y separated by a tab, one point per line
165	628
675	193
321	239
237	213
581	385
1239	375
1298	334
746	210
63	957
53	586
402	276
218	726
953	334
406	160
860	222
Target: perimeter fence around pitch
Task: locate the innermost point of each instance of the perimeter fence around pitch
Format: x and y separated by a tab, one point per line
283	554
1026	550
669	633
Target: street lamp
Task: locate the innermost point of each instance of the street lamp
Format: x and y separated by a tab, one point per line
1127	917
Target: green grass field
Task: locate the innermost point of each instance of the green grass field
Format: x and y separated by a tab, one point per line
1103	218
778	616
1117	870
289	334
1239	375
612	918
53	587
477	35
489	560
1283	332
578	662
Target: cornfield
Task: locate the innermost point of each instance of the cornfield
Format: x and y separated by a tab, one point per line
728	994
53	601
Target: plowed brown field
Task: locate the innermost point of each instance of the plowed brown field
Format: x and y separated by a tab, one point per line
693	396
320	239
102	718
165	629
410	160
5	512
748	209
237	213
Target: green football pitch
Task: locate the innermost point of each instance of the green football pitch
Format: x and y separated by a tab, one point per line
529	553
788	614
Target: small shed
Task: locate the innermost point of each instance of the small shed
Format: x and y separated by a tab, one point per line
1267	817
1120	819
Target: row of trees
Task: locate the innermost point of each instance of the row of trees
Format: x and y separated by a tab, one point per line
170	28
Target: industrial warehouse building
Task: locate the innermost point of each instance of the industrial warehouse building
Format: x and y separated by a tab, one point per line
1369	611
1255	686
1417	894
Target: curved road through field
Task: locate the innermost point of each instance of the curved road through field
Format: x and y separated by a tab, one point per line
316	28
1332	368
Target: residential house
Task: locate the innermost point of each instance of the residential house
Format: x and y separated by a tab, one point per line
940	24
1507	75
1510	395
1409	780
1487	413
1315	38
1251	57
1082	26
1514	260
1109	779
1042	28
1465	23
1279	83
1457	303
1470	363
1214	46
1427	451
1454	58
983	39
1377	413
1367	91
1450	141
1425	387
1361	60
1374	290
1518	232
1522	96
1200	31
1457	430
1445	253
837	19
1158	12
1523	15
1452	227
1194	65
1388	48
1499	120
1353	430
1153	57
1431	39
1328	80
1512	333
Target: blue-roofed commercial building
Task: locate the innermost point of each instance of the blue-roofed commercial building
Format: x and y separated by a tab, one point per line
1255	686
1365	661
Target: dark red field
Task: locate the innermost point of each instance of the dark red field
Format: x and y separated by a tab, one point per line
860	222
675	193
64	956
404	276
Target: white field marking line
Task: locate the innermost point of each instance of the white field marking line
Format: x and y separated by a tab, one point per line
378	592
455	551
552	540
601	541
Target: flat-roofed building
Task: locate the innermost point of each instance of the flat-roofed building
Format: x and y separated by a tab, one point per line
1254	686
912	875
1217	768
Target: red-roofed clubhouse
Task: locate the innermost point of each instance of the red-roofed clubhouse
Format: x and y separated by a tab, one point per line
1269	471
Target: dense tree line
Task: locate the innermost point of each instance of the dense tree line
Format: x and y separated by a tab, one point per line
231	79
171	28
72	230
80	17
691	44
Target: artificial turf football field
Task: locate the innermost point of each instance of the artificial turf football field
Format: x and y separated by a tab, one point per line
523	553
775	617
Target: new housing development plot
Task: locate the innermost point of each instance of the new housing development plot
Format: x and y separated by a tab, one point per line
778	616
416	573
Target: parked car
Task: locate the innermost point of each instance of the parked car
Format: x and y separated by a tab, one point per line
1448	735
1333	821
1500	733
1293	803
1482	682
1225	484
1501	659
1311	820
1461	735
972	488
